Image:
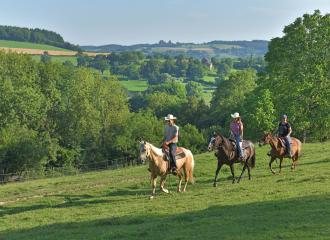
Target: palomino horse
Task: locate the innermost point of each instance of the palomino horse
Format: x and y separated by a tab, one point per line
278	151
158	166
226	155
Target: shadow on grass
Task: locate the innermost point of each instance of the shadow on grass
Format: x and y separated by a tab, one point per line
301	217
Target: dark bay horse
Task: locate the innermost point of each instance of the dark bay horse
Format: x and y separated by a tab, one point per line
278	151
158	166
226	155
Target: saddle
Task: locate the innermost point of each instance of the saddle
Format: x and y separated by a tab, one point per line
178	155
245	144
282	143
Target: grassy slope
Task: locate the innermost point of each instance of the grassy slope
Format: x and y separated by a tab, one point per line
61	59
114	205
14	44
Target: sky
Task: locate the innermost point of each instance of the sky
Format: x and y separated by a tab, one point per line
128	22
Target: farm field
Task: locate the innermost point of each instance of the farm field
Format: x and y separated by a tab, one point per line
61	59
113	204
27	45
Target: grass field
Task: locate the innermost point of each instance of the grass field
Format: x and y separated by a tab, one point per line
113	204
14	44
61	59
134	85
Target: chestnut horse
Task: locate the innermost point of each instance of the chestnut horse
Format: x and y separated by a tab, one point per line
278	151
226	155
159	167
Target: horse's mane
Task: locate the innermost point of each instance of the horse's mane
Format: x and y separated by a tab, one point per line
156	150
225	142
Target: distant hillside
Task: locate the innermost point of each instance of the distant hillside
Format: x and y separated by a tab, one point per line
219	49
39	36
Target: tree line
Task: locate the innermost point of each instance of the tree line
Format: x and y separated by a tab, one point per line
36	35
55	115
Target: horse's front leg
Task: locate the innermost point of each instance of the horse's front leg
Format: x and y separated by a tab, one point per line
180	180
270	164
154	176
232	169
245	165
162	181
281	162
216	174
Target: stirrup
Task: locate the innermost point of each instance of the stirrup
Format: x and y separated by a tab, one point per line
174	171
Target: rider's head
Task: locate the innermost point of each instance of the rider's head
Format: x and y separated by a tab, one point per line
236	116
170	119
284	118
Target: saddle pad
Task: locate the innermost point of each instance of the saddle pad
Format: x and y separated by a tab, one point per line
179	156
245	144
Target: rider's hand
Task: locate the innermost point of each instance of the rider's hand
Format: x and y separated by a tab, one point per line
166	143
286	137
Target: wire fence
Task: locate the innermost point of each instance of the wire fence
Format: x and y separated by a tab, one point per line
56	172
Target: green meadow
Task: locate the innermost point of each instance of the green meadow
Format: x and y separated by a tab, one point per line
14	44
61	59
114	204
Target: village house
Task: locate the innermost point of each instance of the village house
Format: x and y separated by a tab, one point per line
206	62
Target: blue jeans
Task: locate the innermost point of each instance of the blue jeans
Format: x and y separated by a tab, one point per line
288	145
238	141
172	147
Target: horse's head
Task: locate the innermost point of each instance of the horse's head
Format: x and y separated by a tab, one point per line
144	151
215	142
266	139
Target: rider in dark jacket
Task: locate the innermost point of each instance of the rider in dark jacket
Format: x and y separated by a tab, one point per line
284	129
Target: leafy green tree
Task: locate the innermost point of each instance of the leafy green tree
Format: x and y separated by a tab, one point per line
158	55
191	139
229	62
169	87
162	103
100	63
46	57
194	89
132	72
69	64
151	69
297	74
231	92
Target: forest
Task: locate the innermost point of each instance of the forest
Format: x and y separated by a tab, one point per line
40	36
54	114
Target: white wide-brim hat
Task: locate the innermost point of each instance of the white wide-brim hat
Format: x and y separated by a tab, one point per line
169	117
235	115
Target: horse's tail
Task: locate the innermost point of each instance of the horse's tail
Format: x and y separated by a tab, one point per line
253	160
191	170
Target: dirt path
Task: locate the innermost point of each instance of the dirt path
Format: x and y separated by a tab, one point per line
51	52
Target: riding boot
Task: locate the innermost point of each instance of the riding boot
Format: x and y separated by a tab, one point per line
241	158
269	154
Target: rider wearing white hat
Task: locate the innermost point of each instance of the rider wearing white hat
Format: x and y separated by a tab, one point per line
171	139
236	129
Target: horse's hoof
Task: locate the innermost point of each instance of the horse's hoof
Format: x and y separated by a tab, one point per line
151	197
292	167
273	172
238	181
279	173
233	182
215	185
250	178
169	192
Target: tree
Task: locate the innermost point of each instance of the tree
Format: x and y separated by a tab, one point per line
100	63
194	89
297	74
231	92
46	57
169	87
69	64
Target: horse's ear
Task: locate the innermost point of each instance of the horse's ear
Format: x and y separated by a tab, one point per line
144	142
214	133
269	133
265	132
